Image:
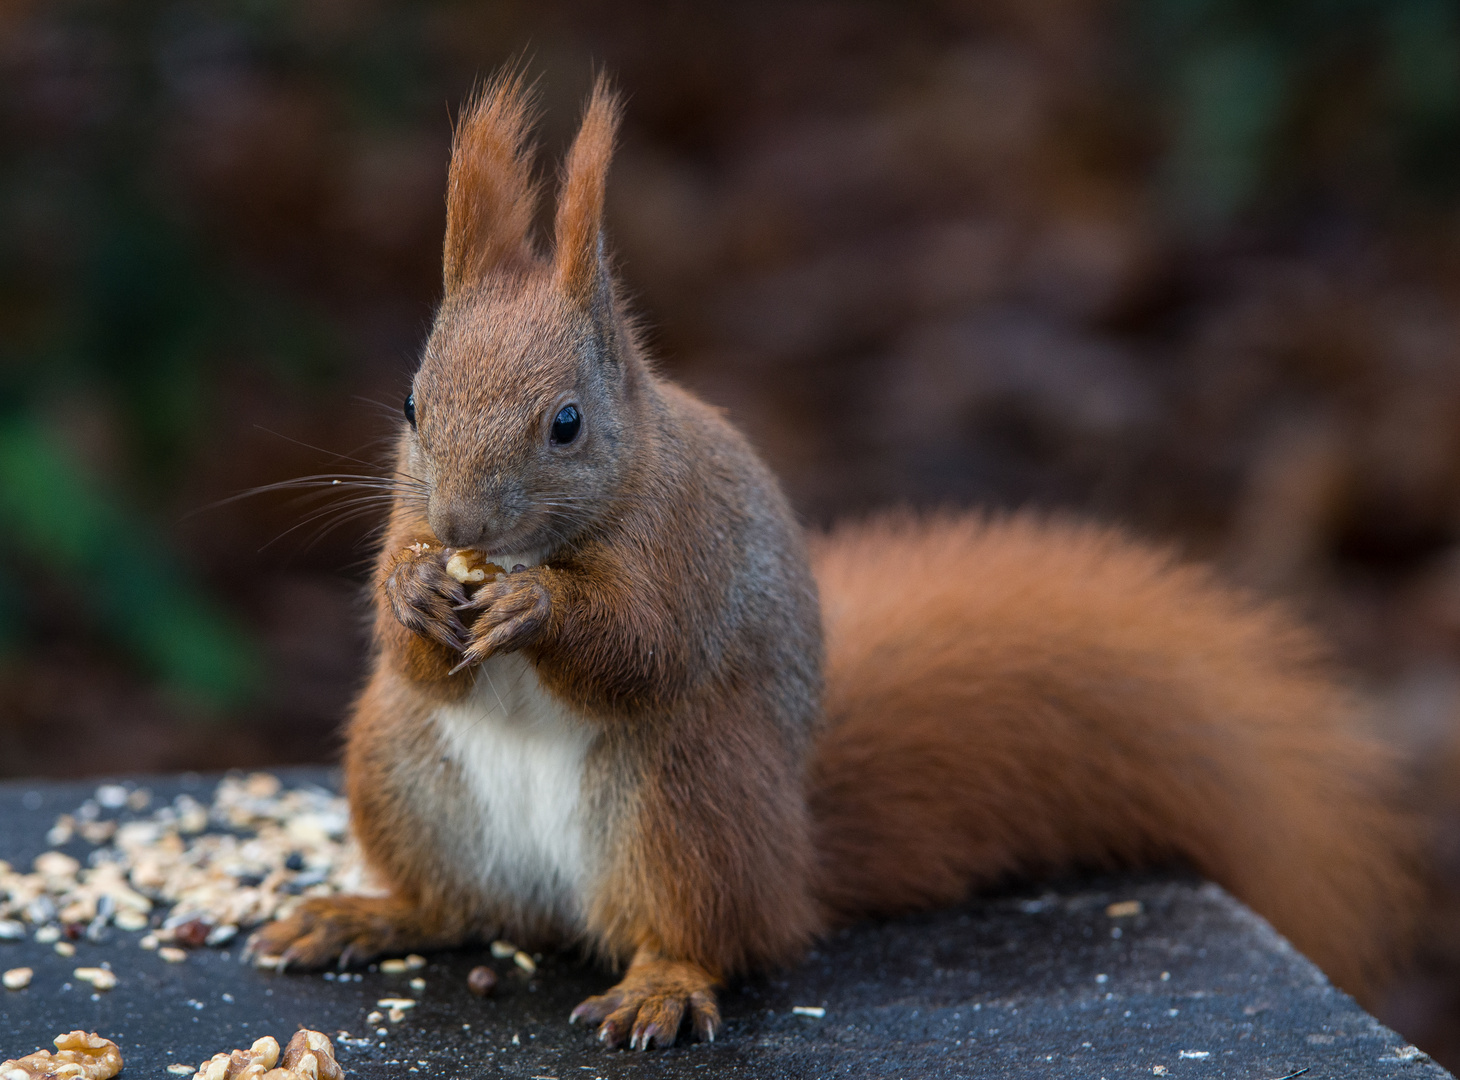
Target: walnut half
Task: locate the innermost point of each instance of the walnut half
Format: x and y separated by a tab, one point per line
241	1064
309	1056
78	1056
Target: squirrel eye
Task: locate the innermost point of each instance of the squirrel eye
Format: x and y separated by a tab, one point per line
566	425
411	409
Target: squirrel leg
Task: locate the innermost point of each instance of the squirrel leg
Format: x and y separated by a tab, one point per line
649	1004
353	929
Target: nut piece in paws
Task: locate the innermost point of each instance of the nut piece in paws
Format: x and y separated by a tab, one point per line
470	567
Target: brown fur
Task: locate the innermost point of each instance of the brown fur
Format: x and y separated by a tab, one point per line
580	206
490	194
1003	698
697	664
1014	696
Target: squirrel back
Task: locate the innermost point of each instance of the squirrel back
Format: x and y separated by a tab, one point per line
1011	696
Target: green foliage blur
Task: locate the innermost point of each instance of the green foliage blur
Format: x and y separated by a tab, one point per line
1267	101
116	292
110	293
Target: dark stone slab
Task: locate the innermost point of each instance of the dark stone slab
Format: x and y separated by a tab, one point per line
1039	983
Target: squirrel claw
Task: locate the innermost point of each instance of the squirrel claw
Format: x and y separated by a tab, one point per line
647	1009
594	1009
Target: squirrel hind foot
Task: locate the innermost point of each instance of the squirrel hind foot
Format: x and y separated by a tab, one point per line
648	1008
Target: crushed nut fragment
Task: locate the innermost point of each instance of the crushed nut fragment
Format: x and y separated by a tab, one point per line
253	853
99	978
525	962
172	955
78	1056
53	864
470	567
503	949
17	978
1124	909
127	919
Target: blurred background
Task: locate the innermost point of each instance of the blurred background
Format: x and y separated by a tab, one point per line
1188	265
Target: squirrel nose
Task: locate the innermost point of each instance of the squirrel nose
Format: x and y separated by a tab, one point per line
456	524
475	519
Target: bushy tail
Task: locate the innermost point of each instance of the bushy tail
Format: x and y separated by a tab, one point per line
1015	696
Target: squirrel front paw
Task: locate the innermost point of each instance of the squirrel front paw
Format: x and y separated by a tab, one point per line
424	598
507	614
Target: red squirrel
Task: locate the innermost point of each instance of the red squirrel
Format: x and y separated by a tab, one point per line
679	733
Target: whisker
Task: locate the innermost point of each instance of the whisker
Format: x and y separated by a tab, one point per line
330	527
324	482
346	514
317	449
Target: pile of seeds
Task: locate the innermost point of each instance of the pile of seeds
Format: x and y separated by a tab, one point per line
190	873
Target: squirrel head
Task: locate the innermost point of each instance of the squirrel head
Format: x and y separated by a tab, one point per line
524	413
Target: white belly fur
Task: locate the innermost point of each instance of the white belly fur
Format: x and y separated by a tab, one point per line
522	754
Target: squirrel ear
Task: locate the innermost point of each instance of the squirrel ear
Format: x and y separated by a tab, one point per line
490	194
578	261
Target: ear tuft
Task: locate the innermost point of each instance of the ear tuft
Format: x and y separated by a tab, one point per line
490	194
579	222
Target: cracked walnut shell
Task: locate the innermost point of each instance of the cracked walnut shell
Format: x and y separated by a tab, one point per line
78	1056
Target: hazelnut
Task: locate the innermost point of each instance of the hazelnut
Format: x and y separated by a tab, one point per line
482	980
